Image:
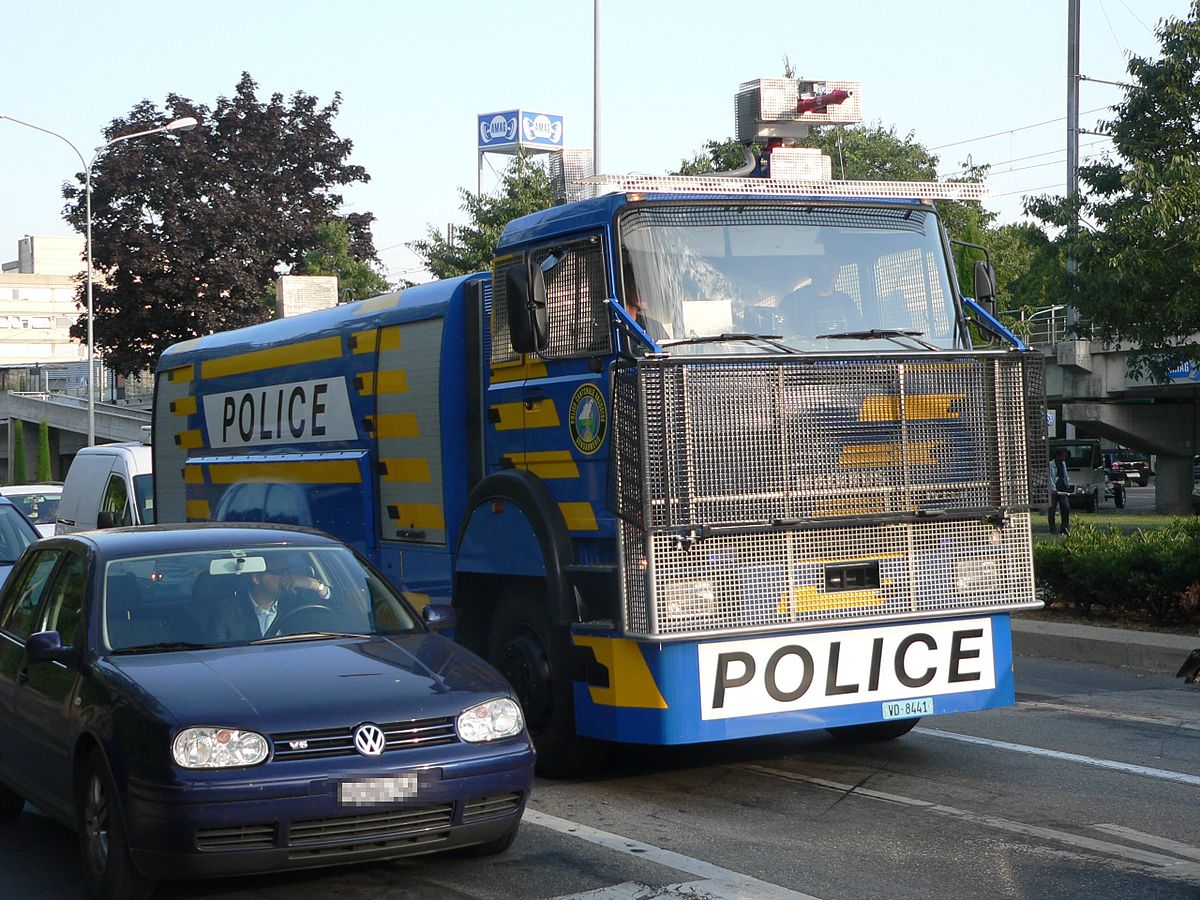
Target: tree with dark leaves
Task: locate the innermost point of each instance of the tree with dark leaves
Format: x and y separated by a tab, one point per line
187	231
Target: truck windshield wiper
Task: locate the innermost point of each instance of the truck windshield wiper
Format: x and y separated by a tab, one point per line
887	334
774	340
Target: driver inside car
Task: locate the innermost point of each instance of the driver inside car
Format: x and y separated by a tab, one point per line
817	307
270	596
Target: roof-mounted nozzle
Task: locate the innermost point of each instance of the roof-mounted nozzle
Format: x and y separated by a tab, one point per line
787	107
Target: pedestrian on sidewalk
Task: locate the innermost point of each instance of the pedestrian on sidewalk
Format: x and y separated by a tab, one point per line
1060	490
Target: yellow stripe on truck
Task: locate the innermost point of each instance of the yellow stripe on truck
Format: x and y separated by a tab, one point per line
418	515
273	358
916	407
579	516
630	682
184	406
327	471
197	510
546	464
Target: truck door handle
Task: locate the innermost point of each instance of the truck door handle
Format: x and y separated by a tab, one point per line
532	398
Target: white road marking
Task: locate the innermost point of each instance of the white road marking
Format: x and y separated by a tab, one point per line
636	890
720	883
1169	866
1108	714
1152	840
1163	774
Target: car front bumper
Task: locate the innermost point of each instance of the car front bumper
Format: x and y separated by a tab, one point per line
213	827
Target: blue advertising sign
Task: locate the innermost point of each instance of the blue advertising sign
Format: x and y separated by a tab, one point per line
520	128
1185	372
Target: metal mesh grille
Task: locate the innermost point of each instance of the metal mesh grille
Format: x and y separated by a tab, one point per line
777	579
737	481
500	336
1036	436
576	300
762	441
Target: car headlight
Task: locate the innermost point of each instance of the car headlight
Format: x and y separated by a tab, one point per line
975	575
211	747
490	721
687	600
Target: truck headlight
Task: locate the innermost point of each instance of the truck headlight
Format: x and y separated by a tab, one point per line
489	721
213	747
974	575
687	600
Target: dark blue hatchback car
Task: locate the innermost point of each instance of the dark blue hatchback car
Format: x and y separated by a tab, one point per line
212	700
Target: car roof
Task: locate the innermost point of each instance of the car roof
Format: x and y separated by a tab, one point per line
114	543
49	487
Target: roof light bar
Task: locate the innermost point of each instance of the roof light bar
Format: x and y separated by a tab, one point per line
771	187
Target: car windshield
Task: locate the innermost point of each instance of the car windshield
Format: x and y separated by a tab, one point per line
241	596
40	509
706	277
15	535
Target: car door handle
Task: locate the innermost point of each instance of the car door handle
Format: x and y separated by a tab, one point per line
22	676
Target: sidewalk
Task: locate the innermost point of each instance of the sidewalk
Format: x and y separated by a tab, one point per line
1145	650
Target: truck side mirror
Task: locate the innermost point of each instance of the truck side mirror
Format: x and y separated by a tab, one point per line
528	320
985	286
106	519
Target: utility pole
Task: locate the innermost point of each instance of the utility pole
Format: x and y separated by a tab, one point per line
595	87
1072	131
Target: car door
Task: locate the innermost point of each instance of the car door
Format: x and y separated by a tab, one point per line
45	716
19	605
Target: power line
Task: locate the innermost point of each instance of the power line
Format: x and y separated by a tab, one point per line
1116	41
1135	16
1012	130
992	170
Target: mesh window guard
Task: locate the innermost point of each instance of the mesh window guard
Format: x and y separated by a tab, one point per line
576	296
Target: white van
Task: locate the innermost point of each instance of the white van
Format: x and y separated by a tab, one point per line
107	486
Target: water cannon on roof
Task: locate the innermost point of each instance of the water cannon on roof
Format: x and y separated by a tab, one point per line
787	108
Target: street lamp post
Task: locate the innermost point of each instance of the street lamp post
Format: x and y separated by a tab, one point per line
187	123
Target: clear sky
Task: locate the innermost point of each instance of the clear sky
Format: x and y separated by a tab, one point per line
413	76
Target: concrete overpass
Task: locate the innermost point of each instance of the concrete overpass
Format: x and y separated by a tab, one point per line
67	419
1089	386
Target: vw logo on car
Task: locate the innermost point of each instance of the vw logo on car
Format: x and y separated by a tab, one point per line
369	739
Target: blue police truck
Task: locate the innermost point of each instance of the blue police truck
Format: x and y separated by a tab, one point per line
699	459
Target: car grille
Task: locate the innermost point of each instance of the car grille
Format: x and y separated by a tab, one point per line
340	741
237	837
491	805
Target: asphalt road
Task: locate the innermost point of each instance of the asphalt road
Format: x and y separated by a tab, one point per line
1089	787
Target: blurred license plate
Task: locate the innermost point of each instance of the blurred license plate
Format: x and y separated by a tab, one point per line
377	790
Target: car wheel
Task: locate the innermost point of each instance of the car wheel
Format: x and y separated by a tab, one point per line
1119	496
10	804
874	731
108	868
535	658
1092	501
491	848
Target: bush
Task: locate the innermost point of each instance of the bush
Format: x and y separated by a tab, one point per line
1149	575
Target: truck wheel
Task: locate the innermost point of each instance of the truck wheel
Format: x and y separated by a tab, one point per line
535	657
874	731
1092	501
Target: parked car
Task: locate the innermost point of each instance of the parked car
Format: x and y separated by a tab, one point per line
107	486
16	533
1091	480
1137	466
38	502
198	743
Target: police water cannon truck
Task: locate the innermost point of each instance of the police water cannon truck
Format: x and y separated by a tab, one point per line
698	459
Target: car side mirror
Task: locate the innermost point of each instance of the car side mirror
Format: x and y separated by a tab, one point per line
985	286
528	319
47	646
439	616
106	519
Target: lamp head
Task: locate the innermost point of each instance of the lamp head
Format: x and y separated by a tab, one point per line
187	123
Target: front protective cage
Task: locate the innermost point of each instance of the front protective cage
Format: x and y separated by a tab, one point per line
744	487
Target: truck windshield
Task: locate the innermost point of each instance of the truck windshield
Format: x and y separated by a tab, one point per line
821	277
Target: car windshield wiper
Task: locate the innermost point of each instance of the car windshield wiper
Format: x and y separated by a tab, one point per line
774	340
164	647
887	334
309	636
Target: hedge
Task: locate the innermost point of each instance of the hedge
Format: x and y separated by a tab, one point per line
1150	576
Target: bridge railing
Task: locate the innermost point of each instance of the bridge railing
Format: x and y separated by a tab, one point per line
1040	327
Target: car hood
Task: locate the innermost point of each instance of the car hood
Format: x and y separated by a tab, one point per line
310	684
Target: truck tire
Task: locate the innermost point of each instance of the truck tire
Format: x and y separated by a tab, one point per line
874	731
535	657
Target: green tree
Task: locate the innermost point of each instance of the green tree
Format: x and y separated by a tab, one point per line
43	459
187	232
334	255
525	187
20	474
1138	245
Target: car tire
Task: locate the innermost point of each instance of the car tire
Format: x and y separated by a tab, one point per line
1119	496
1093	501
535	658
491	848
108	867
11	804
874	731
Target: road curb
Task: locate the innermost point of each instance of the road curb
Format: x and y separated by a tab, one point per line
1145	650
